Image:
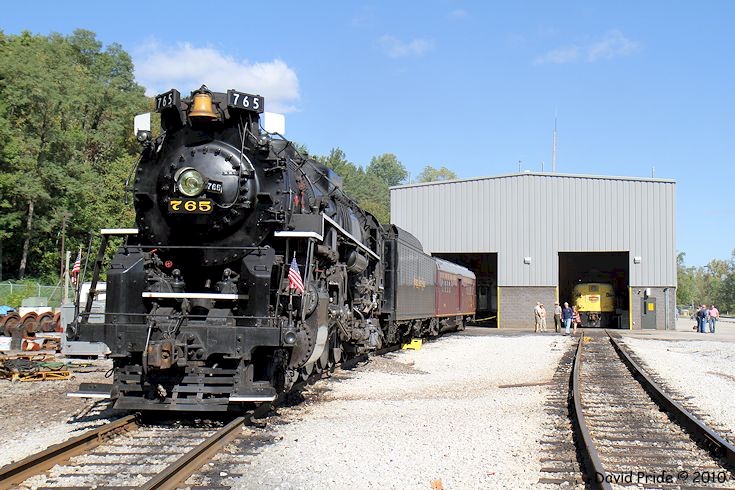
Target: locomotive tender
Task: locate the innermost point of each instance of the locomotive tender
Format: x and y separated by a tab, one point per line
200	312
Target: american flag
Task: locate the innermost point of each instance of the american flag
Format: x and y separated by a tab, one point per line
294	277
76	268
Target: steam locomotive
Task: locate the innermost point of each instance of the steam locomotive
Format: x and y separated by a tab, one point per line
250	269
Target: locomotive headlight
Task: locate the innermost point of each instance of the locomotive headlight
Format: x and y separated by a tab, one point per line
289	337
191	182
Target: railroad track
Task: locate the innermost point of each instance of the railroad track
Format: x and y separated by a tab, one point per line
631	433
559	462
128	453
125	453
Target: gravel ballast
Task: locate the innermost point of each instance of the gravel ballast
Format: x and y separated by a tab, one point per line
442	416
38	414
701	370
411	418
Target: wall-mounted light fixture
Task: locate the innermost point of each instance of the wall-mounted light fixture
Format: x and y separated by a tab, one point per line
526	260
637	259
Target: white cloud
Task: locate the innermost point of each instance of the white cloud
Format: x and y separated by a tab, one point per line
395	48
458	14
612	45
567	54
186	67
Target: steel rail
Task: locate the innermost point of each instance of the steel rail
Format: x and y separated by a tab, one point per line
595	470
15	473
182	468
690	422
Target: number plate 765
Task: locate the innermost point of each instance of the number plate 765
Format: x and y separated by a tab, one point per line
190	206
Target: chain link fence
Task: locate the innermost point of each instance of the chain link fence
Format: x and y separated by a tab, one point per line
14	293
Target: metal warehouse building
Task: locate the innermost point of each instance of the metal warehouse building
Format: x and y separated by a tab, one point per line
532	236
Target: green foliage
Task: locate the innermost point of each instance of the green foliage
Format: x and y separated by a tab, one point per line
388	169
431	174
711	284
686	288
368	187
66	147
20	292
66	143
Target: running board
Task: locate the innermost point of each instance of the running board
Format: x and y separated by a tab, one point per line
214	296
255	393
92	390
252	398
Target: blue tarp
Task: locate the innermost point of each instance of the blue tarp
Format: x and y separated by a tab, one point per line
4	310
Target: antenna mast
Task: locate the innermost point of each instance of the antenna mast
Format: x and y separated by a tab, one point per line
553	151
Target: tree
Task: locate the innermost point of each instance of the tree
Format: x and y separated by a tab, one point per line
726	299
431	174
66	107
337	161
711	284
388	169
368	189
685	289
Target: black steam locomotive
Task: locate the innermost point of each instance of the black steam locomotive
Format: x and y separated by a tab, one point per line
250	269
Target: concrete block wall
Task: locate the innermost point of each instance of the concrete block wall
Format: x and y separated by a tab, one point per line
517	303
665	319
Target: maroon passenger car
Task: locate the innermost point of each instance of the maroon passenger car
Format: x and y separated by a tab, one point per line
455	292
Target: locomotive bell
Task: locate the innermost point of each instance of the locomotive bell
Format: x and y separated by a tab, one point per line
201	106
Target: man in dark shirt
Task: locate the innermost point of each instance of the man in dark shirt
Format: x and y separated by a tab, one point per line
566	315
702	319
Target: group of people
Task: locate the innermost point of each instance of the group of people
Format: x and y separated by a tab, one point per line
568	317
706	318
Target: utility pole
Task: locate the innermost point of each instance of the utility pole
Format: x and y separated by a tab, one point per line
66	278
64	216
553	150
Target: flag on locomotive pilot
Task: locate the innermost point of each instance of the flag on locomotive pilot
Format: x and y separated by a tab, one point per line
76	268
294	277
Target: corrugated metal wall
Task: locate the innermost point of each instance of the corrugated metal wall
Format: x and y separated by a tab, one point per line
539	215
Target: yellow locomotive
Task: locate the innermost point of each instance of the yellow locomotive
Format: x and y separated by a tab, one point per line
595	302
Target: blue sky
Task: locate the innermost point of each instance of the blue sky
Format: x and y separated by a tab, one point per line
473	86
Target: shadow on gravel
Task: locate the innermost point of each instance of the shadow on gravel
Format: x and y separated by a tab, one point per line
99	411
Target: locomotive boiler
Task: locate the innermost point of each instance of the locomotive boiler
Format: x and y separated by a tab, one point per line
250	268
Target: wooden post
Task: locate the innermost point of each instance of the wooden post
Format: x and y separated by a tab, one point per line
26	242
66	278
63	235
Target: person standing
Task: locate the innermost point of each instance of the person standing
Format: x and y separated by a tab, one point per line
567	315
537	317
543	318
714	315
557	316
576	319
702	319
